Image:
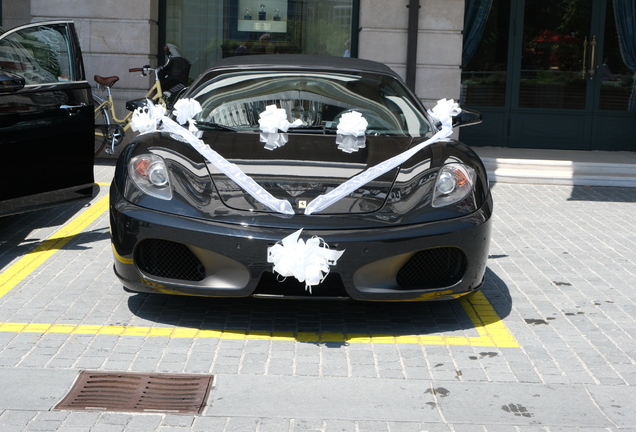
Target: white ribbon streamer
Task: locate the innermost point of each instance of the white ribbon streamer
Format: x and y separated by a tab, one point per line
306	261
442	113
146	120
222	164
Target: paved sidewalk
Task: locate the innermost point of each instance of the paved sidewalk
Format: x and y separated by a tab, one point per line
559	354
559	167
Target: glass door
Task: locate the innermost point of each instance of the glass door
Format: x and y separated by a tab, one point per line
552	92
553	75
613	71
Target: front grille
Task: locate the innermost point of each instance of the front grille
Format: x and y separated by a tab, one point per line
170	260
432	268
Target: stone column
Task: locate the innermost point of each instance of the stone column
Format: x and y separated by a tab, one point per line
383	38
15	13
115	35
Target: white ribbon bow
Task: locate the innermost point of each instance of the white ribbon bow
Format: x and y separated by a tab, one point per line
274	119
351	129
185	109
444	111
274	140
271	121
306	261
352	123
146	119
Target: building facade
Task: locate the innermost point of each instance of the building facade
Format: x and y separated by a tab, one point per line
545	73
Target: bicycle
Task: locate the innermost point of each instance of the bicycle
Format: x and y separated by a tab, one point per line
169	78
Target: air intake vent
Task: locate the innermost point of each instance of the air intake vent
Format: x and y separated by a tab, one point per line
170	260
432	268
132	392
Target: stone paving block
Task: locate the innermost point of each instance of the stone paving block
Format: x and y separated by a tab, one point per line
240	424
17	419
145	423
562	289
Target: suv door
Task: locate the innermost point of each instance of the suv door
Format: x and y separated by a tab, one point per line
46	118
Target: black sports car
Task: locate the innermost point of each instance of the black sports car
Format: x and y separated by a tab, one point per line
301	176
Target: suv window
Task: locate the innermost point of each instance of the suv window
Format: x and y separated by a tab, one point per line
39	54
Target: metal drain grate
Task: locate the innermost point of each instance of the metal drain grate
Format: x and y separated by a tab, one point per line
135	392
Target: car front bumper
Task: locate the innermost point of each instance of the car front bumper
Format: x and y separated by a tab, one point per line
164	253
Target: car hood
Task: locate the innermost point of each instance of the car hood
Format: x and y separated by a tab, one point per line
305	167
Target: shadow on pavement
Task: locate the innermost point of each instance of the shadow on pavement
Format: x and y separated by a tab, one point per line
17	236
603	194
247	315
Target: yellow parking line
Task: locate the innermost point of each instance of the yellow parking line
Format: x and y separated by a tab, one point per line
14	274
492	332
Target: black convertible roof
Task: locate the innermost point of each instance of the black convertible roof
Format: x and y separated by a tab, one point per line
302	61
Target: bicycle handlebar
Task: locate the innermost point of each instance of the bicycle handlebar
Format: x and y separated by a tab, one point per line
145	69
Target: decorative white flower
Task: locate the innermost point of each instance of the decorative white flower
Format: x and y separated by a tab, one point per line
185	109
274	140
146	119
307	261
273	120
352	123
350	143
444	111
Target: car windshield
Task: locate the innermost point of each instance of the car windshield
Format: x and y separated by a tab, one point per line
236	100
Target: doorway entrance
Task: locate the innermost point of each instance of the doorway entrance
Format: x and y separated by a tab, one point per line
551	74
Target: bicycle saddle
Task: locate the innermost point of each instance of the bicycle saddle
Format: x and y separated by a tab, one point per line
107	81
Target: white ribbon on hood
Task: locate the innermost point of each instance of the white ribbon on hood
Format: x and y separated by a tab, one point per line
306	261
226	167
147	119
442	113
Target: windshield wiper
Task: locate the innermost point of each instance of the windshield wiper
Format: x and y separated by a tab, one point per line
212	125
313	129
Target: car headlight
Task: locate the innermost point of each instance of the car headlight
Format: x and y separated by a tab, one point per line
150	174
454	182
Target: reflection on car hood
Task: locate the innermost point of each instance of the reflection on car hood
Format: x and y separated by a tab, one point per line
305	167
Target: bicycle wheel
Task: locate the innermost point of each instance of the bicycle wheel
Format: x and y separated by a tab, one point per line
102	124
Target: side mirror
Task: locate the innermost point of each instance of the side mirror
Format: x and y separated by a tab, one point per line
10	82
466	118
